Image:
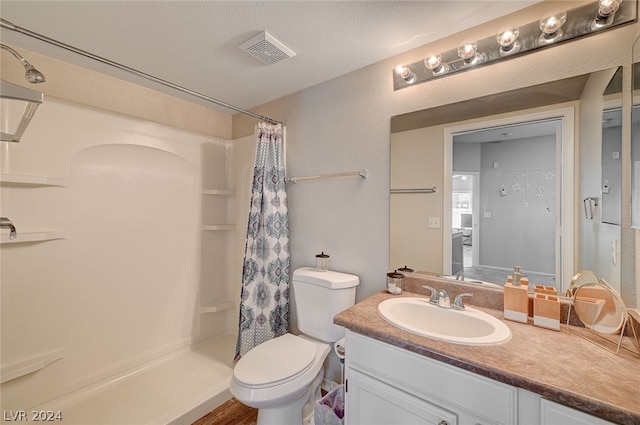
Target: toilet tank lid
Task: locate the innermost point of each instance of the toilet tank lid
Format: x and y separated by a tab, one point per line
328	279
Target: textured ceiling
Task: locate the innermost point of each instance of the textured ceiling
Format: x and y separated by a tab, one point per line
194	44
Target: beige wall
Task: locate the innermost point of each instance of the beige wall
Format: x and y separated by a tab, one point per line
416	163
83	86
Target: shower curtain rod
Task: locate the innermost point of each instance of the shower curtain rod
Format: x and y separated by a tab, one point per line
12	27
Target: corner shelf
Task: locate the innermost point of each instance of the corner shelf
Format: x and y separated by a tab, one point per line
222	192
218	227
34	236
33	364
29	180
218	307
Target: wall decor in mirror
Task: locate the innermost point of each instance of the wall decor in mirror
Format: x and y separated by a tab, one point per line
557	26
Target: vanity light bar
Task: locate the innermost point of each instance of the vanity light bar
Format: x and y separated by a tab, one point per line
513	41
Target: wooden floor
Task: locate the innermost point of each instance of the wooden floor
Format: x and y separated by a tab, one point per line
230	413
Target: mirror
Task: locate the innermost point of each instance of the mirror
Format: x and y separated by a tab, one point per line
602	312
635	149
420	228
611	181
597	305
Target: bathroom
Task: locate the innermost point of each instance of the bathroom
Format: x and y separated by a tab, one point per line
348	218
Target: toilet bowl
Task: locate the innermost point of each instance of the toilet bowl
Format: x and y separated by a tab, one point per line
280	377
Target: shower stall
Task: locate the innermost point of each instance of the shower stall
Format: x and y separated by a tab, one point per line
120	289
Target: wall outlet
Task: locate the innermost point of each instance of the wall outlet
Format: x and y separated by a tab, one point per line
434	222
487	215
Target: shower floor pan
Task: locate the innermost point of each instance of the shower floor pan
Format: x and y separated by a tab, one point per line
176	390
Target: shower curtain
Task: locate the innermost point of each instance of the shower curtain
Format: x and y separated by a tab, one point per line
264	303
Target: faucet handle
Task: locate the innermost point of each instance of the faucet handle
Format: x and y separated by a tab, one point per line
434	294
457	303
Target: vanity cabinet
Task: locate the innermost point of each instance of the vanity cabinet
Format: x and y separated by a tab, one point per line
389	385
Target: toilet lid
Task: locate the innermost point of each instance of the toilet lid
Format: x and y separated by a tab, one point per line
275	360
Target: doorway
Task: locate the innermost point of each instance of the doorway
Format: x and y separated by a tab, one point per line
464	208
521	169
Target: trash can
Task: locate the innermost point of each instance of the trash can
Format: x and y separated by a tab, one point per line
329	410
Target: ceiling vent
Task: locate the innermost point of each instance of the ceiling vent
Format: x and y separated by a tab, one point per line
267	49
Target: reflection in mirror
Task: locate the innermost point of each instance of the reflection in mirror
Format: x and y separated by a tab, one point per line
635	150
601	310
611	181
601	181
511	206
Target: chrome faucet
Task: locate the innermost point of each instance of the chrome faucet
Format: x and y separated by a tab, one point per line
5	223
434	294
441	298
457	302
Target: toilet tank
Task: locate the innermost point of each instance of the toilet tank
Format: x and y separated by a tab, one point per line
319	296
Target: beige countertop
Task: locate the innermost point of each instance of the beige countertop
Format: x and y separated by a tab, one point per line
560	366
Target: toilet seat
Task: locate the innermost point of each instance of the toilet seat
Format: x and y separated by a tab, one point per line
274	362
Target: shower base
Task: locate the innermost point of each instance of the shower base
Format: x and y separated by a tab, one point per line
177	389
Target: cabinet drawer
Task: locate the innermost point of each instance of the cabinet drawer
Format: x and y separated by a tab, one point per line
427	378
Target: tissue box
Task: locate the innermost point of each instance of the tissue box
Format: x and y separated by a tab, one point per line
546	311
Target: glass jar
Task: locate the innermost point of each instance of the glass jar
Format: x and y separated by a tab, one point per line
322	262
395	282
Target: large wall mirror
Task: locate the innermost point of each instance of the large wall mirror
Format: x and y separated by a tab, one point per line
507	192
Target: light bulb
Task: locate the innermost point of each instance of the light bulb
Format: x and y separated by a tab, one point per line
406	74
435	64
606	10
551	27
468	51
508	40
608	7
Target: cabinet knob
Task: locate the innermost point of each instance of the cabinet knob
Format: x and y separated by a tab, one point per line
443	423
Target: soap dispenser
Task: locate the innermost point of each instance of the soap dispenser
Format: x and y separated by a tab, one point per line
516	297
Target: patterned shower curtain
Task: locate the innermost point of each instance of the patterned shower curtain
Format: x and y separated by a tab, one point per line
264	304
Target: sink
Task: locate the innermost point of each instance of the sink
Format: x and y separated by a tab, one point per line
468	327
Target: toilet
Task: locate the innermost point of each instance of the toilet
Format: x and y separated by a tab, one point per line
281	377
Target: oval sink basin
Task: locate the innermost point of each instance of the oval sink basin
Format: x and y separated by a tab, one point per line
469	326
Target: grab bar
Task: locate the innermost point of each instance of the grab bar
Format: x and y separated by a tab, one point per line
424	190
361	173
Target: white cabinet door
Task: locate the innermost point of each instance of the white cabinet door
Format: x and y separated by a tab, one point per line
371	402
556	414
474	398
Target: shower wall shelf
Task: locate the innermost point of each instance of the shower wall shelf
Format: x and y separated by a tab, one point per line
362	173
218	227
34	236
30	180
33	364
218	307
221	192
